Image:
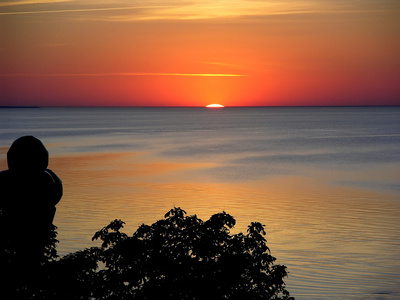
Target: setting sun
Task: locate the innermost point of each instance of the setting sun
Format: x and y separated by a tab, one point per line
214	105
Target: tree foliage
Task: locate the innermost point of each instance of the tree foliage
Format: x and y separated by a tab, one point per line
177	257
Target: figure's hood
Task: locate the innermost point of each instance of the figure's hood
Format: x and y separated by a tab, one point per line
27	153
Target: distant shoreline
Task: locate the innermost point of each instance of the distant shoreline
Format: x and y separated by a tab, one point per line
20	106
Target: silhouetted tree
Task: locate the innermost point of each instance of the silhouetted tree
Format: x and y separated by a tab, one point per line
177	257
20	275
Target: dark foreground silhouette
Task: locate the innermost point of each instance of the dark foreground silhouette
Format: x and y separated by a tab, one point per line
177	257
28	195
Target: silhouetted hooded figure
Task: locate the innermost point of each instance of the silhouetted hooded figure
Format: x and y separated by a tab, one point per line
28	195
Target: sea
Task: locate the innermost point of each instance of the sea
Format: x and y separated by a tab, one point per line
325	181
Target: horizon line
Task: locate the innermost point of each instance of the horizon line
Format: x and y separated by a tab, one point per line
194	106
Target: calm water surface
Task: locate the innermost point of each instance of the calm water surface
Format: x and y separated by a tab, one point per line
324	181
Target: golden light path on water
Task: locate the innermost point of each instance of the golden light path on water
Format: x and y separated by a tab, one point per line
306	220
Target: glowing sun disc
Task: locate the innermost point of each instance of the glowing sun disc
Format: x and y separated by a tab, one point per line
214	105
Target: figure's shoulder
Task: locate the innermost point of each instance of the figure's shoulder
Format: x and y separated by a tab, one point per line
57	184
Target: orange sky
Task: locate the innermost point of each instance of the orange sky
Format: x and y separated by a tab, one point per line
192	53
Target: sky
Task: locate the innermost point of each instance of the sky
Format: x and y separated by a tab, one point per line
197	52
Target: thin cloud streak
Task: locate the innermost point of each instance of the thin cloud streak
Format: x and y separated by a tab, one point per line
30	2
195	10
75	10
125	74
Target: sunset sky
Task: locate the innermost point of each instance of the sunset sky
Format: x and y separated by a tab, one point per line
197	52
